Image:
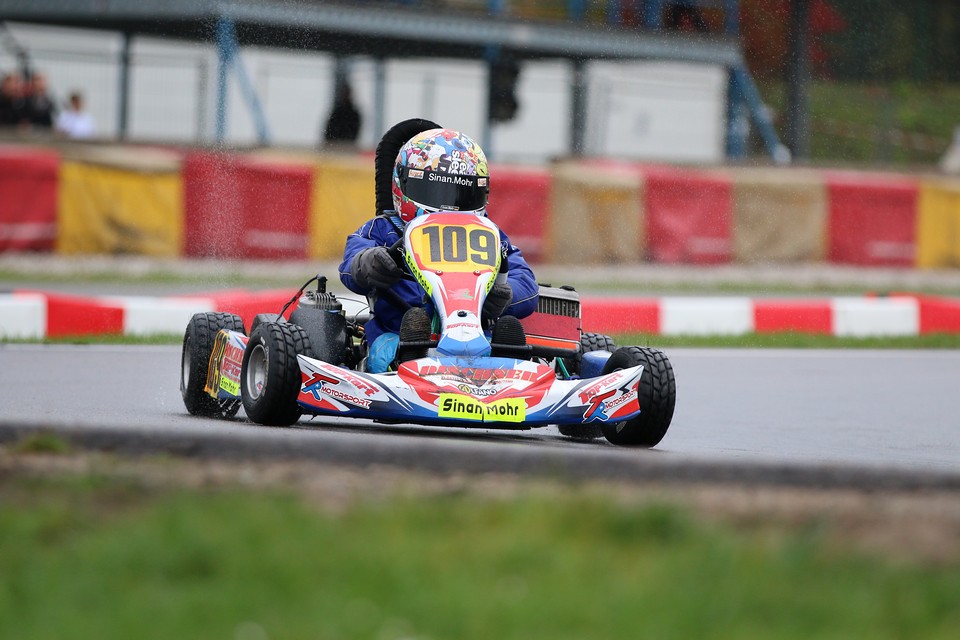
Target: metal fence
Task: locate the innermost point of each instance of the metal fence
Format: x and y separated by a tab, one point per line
169	96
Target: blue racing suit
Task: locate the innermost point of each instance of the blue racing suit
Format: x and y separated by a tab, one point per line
384	231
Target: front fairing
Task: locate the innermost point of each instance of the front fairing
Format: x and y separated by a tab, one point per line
478	392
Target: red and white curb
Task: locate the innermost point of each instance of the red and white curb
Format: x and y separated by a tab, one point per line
899	315
37	314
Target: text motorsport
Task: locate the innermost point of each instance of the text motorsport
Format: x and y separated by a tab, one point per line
453	405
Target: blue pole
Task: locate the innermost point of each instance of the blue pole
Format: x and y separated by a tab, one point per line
379	97
731	17
576	9
228	38
776	149
613	12
223	62
653	14
738	120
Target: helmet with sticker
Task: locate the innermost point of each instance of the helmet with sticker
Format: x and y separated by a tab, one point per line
440	170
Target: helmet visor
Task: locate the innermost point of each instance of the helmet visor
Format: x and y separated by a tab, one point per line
445	191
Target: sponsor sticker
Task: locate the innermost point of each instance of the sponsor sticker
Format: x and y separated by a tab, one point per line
477	377
230	386
453	405
482	392
415	173
322	384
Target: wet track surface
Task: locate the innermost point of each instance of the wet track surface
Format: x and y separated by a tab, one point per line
744	413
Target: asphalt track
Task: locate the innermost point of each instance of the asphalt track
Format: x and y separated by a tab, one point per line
797	417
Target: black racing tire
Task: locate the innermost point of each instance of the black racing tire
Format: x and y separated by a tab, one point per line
270	375
198	342
264	317
658	397
589	342
596	342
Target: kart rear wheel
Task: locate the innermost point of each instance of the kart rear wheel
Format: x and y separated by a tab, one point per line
589	342
198	341
270	376
596	342
658	396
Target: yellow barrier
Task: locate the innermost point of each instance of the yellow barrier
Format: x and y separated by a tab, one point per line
343	199
121	202
938	224
778	215
596	215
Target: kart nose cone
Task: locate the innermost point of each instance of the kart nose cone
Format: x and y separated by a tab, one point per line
449	346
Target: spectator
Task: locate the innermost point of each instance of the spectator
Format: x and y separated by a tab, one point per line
40	109
74	122
683	16
13	106
343	125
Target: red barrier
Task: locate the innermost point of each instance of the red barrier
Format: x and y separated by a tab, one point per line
28	199
275	207
248	304
800	316
939	315
212	209
872	219
519	200
237	207
620	315
688	216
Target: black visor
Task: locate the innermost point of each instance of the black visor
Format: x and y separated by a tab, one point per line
446	191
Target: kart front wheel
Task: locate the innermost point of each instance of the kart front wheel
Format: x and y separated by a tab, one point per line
198	341
657	395
270	376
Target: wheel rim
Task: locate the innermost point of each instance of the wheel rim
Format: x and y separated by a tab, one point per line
256	376
185	365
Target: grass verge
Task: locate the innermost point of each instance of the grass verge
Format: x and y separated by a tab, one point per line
747	341
89	558
862	123
158	338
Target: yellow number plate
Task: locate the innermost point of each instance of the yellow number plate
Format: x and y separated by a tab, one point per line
454	405
456	248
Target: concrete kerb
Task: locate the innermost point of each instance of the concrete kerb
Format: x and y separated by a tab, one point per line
20	269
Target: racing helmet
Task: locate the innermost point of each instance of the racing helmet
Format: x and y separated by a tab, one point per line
440	170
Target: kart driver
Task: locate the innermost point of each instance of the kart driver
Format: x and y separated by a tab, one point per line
368	267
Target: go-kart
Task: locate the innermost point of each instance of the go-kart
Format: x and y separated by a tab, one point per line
452	369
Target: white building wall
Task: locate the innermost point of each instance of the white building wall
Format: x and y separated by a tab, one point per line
640	110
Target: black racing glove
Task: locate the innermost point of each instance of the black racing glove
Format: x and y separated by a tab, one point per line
374	268
497	300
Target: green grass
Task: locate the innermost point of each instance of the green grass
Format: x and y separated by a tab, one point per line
748	341
158	276
845	117
96	559
12	278
42	443
157	338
